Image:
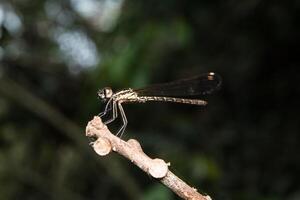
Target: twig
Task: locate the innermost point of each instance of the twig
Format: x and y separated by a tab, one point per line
132	150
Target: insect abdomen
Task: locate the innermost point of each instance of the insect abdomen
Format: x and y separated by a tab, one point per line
175	100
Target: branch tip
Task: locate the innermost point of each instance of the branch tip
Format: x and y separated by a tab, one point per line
102	146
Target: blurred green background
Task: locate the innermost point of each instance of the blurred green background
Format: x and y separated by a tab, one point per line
56	54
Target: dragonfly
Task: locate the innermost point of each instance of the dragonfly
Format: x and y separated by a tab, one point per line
185	91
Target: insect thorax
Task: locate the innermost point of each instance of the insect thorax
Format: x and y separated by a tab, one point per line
127	95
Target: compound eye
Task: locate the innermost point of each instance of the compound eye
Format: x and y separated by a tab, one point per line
101	94
108	92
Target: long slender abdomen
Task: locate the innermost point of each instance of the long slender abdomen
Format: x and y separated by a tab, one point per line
175	100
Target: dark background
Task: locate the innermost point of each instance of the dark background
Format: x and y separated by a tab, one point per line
55	55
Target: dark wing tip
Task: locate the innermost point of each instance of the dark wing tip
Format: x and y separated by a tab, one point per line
216	80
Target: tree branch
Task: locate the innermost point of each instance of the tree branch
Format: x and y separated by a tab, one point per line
132	150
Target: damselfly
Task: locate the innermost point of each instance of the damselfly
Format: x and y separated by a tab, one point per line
181	91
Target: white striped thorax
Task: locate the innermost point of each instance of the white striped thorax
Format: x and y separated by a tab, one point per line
127	95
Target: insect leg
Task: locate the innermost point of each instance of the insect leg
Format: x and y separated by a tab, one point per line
107	108
122	129
115	113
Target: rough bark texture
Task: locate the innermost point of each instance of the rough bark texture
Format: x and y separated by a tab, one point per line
132	150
